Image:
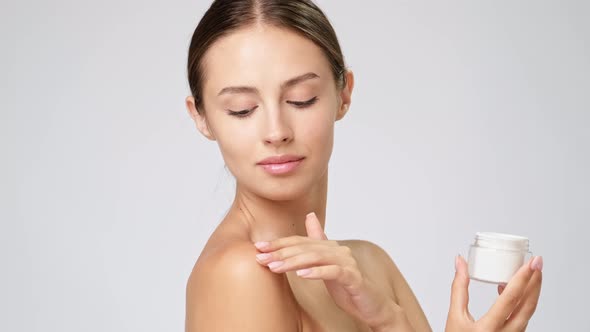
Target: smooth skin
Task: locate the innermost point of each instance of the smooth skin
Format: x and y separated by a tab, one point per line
272	75
316	257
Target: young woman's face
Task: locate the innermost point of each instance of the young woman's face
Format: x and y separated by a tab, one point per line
269	92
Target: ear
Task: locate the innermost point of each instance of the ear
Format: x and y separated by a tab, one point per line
199	118
345	95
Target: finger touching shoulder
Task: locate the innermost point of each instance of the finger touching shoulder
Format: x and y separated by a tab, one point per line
229	291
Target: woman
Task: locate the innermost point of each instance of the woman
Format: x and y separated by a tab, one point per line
268	82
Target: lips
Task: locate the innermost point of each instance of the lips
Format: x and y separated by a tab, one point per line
281	165
280	159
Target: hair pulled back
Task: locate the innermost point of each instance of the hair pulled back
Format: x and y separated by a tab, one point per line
225	16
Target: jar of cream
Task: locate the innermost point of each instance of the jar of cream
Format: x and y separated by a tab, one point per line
495	257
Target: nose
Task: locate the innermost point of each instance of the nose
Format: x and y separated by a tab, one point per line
279	130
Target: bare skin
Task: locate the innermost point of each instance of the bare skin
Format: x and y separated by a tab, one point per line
283	86
280	302
229	289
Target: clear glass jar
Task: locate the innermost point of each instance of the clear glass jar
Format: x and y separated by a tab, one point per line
495	257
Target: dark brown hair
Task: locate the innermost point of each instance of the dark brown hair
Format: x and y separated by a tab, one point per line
225	16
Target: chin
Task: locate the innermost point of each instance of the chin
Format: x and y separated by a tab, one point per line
283	190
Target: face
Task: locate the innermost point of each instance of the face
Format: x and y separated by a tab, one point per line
269	92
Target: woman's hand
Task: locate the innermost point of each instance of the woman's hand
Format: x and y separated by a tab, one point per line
513	308
316	257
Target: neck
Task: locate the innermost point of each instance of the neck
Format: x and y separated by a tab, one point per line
267	220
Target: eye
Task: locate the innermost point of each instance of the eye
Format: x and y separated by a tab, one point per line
298	104
303	104
242	114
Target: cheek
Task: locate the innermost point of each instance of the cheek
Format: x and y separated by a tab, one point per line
236	143
318	131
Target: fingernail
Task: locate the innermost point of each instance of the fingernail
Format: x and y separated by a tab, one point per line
262	257
537	263
303	272
457	262
261	245
310	214
274	265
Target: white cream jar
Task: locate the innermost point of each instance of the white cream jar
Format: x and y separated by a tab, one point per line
495	257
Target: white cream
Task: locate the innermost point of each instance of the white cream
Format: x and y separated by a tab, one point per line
495	257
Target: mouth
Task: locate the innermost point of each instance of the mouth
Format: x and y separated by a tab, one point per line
274	160
280	165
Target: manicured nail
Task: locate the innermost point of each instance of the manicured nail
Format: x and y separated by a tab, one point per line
262	257
274	265
537	263
310	214
457	262
261	245
303	272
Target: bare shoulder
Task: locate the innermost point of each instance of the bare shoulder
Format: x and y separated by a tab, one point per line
378	266
229	291
372	257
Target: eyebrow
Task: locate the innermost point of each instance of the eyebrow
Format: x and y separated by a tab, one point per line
289	83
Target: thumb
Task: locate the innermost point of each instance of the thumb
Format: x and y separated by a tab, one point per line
314	228
460	288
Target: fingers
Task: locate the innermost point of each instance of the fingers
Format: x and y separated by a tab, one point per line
287	252
510	296
528	304
318	256
344	276
291	241
315	234
460	288
298	252
350	278
314	228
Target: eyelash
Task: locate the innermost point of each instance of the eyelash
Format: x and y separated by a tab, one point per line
298	104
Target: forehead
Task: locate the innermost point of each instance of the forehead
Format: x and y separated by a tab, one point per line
261	55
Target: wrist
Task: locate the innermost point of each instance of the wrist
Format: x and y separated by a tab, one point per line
395	319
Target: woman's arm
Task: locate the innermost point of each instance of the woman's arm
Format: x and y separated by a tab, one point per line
228	291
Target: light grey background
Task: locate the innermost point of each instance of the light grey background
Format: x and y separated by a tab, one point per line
467	116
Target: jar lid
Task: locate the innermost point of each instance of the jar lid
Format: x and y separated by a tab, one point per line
501	241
